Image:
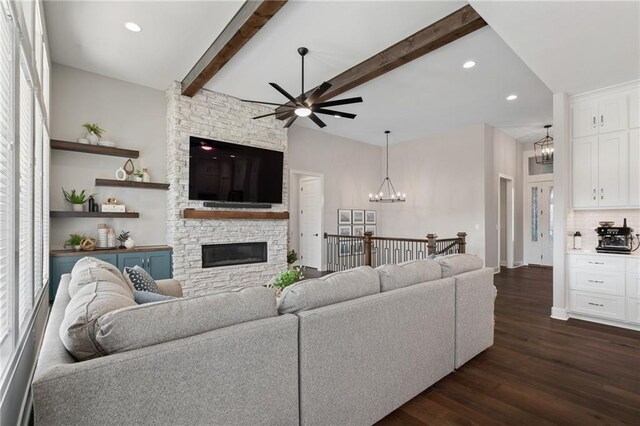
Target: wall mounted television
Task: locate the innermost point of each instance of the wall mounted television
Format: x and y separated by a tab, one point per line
227	172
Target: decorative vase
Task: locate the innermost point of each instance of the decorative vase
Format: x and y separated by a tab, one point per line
77	248
129	243
93	138
121	174
77	207
145	176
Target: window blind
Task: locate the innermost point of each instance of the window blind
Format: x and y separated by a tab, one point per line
37	203
25	239
45	205
6	170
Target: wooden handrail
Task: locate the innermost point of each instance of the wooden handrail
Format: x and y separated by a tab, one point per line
348	251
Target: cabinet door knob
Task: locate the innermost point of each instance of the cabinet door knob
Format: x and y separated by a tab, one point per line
601	120
594	193
601	194
594	122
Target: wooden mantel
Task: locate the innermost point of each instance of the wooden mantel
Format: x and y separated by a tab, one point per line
232	214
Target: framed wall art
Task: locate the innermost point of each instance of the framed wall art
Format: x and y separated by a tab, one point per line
357	217
344	217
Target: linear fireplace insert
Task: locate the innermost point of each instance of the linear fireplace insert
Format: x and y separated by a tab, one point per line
214	255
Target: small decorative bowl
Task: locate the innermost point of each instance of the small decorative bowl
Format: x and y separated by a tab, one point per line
606	224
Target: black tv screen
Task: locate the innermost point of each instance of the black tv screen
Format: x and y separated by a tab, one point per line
222	171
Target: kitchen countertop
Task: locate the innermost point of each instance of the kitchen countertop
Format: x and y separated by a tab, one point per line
592	252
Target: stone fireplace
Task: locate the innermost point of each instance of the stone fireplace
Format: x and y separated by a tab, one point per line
220	117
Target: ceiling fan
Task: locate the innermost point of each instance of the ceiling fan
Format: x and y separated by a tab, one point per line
303	106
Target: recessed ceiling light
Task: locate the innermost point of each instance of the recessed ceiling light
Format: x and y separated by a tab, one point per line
469	64
512	97
132	26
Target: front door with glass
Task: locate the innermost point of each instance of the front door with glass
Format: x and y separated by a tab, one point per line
540	223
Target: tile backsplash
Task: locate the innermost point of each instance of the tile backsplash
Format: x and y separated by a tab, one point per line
586	221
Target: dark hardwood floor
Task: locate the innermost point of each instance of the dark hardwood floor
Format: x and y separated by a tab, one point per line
540	371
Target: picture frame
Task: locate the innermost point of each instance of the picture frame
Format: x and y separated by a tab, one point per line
344	217
357	217
370	217
371	228
344	230
357	230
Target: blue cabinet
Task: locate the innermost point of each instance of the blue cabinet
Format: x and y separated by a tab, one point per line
156	262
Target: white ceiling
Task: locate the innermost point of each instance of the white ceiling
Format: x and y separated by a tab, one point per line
573	46
429	95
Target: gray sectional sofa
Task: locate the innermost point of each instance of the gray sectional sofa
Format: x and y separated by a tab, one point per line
348	348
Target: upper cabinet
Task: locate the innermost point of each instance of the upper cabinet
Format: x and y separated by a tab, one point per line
605	149
600	115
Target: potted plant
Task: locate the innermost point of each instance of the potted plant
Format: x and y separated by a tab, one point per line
138	176
76	199
94	133
122	238
292	257
286	278
74	241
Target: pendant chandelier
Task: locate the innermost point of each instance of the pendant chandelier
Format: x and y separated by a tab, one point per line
391	195
544	149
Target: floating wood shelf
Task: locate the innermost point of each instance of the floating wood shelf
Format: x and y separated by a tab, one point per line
232	214
94	149
131	184
132	215
136	249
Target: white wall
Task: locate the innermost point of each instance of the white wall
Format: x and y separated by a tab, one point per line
443	177
351	171
134	117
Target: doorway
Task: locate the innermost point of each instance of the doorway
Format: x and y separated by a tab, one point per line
506	240
307	233
538	211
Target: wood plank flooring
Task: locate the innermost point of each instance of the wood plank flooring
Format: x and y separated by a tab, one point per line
540	371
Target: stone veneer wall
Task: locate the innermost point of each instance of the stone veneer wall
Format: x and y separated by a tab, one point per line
217	116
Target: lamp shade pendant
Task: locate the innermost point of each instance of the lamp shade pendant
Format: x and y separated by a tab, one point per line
387	193
544	149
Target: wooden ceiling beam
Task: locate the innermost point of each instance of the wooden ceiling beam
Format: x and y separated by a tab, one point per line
252	16
448	29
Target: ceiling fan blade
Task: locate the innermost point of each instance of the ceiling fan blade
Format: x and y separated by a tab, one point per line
334	113
291	120
317	120
265	115
267	103
339	102
321	90
285	93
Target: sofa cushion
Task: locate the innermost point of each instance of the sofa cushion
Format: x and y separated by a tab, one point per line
330	289
456	264
140	279
89	270
91	301
408	273
145	325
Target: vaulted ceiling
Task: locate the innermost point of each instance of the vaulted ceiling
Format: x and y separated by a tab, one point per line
431	94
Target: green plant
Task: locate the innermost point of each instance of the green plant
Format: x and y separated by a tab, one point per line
138	173
124	235
74	198
292	256
288	277
75	239
93	128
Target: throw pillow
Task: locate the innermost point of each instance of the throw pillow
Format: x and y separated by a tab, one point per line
142	297
140	279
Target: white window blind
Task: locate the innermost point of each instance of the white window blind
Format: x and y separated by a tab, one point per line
25	240
45	205
6	172
37	203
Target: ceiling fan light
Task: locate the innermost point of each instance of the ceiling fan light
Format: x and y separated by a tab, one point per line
302	112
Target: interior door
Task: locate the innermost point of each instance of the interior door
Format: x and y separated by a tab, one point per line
540	241
310	223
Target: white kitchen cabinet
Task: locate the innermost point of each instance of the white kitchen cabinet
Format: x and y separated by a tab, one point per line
612	113
601	171
585	172
634	168
584	118
613	169
600	115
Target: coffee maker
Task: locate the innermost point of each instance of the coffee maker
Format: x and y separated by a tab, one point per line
615	239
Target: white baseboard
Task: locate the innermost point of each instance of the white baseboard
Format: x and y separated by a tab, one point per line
503	263
496	270
518	264
559	314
